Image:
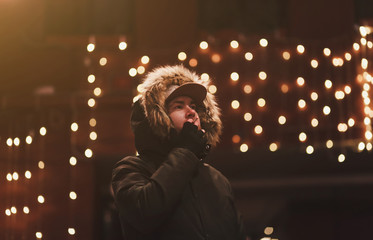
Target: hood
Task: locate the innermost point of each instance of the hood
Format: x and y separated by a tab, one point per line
154	93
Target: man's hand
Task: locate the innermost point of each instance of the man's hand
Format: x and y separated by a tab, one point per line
193	139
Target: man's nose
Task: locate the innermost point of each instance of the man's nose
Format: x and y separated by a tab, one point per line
190	112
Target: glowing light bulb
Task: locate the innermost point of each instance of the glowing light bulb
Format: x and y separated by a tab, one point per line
43	131
314	63
215	58
145	59
235	104
309	149
26	210
273	147
122	46
341	158
182	56
90	47
71	231
286	55
244	147
9	142
314	122
28	174
236	139
284	88
28	139
351	122
361	146
88	153
261	102
234	44
326	110
103	61
39	235
329	144
92	122
262	75
342	127
300	49
193	62
258	129
203	45
328	84
234	76
301	104
41	164
282	120
348	56
247	89
93	136
91	102
91	78
74	127
302	137
97	91
249	56
41	199
73	195
314	96
73	161
212	89
263	42
300	81
347	89
247	116
356	46
327	52
132	72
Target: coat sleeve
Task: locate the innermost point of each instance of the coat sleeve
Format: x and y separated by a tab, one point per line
146	201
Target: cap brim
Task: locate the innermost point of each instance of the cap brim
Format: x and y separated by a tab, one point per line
193	90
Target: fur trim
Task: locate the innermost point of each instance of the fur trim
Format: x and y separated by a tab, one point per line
153	98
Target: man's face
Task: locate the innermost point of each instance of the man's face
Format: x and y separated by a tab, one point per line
182	109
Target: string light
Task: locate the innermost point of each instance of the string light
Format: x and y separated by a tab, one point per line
28	139
300	49
268	230
327	52
249	56
41	199
326	110
103	61
88	153
286	55
9	177
235	76
122	46
193	62
262	75
341	158
348	56
145	59
314	96
314	63
73	195
26	210
273	147
235	104
93	136
342	127
282	120
9	142
328	84
73	161
347	89
261	102
244	147
302	137
43	131
234	44
361	146
247	89
284	88
263	42
329	143
39	235
309	149
15	176
351	122
314	122
248	116
215	58
258	129
90	47
140	70
74	127
8	212
91	102
91	78
356	46
300	81
182	56
71	231
301	104
212	89
41	164
132	72
236	139
13	210
92	122
28	174
97	91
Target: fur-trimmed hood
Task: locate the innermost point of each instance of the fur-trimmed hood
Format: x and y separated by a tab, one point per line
153	96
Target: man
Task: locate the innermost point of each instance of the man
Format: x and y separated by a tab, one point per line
167	192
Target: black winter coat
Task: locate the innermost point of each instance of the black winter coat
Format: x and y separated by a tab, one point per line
167	193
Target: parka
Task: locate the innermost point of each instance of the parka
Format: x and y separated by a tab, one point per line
166	192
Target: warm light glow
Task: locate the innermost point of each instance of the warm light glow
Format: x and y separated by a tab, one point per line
97	91
8	212
314	122
339	95
236	139
247	116
71	231
74	127
249	56
368	136
284	88
327	52
361	146
263	42
15	176
314	96
92	122
16	141
39	235
309	149
348	56
301	104
73	161
88	153
235	104
326	110
182	56
244	148
93	136
212	89
300	49
26	210
132	72
103	61
286	55
342	127
261	102
234	76
328	84
91	102
203	45
356	46
215	58
28	139
282	120
73	195
367	121
41	199
91	78
234	44
347	89
268	230
363	31
13	210
302	137
300	81
258	129
262	75
329	144
193	62
90	47
41	164
43	131
341	158
247	89
28	174
140	70
369	146
351	122
145	59
363	41
122	46
370	44
364	63
9	177
366	87
273	147
337	62
314	63
9	142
